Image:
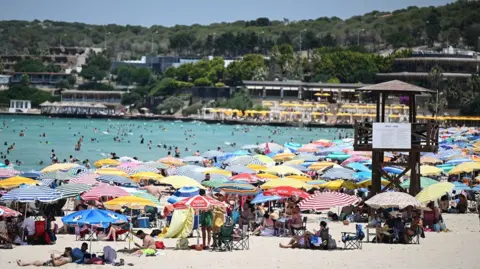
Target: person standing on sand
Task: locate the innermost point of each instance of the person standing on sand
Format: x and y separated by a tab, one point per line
206	221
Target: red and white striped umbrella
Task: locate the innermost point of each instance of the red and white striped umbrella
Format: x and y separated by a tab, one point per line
8	172
198	202
88	179
327	200
6	212
286	191
104	190
245	178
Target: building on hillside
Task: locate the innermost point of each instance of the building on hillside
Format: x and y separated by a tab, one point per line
104	97
19	106
66	58
4	81
45	79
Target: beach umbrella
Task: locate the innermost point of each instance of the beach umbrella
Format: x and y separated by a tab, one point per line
144	194
171	161
307	149
238	188
428	170
294	162
368	182
156	165
261	198
180	181
338	184
47	182
446	167
257	167
31	194
393	200
187	192
359	167
283	170
72	190
316	182
87	178
6	212
267	176
2	165
242	160
8	172
115	179
31	174
321	165
286	191
214	183
212	154
360	176
273	147
104	190
248	178
144	168
459	186
281	157
299	167
327	200
304	178
59	166
193	159
198	202
127	169
323	142
339	173
434	191
146	176
279	182
95	217
132	202
187	169
424	182
393	170
355	159
465	168
105	162
59	175
16	181
430	160
459	161
240	169
307	157
111	171
338	156
218	171
264	159
126	159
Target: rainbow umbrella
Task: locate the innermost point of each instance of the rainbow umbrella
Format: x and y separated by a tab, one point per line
238	188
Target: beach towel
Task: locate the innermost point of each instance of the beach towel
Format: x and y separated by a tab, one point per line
109	255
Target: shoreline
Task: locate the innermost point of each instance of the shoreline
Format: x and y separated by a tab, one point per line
187	119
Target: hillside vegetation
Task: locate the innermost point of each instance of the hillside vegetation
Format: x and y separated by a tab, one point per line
456	24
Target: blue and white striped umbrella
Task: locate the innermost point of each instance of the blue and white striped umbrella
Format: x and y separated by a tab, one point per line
31	174
393	170
260	198
187	192
459	186
145	168
459	161
57	175
47	182
115	179
212	154
30	194
129	170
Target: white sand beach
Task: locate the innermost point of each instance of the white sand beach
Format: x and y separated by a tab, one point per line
456	249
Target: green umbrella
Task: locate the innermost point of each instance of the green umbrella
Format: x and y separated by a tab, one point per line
424	182
148	196
214	183
72	190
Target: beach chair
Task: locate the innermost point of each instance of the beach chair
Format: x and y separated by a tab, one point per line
301	230
353	240
241	241
84	233
223	240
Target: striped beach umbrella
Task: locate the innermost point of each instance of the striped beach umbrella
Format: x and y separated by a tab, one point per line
214	183
145	168
148	196
198	202
127	169
212	154
31	174
8	172
104	190
327	200
6	212
57	175
89	179
30	194
248	178
238	188
115	179
285	191
156	165
72	190
239	169
47	182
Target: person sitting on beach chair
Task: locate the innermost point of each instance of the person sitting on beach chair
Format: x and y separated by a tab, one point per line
115	230
54	261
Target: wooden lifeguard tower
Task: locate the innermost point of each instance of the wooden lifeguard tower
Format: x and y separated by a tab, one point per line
381	136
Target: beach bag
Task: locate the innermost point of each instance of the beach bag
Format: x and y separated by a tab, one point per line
159	245
332	244
182	244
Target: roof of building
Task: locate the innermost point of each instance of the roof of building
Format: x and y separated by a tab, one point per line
303	84
423	74
438	59
73	104
395	86
92	92
36	73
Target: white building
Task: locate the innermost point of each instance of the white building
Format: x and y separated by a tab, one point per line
20	106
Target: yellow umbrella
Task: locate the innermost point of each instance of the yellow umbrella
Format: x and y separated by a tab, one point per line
302	178
105	162
181	181
297	162
145	176
428	170
217	172
434	191
111	171
59	166
429	159
337	184
16	181
171	161
465	168
264	158
320	165
132	202
285	182
283	170
367	183
283	157
257	167
267	176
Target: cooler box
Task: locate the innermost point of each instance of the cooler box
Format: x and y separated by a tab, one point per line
143	223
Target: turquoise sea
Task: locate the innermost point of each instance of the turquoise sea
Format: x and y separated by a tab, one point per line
61	135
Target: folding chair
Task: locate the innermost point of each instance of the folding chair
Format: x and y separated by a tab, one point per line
224	239
414	239
353	240
84	233
301	230
241	241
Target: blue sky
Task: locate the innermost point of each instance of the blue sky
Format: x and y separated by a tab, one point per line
186	12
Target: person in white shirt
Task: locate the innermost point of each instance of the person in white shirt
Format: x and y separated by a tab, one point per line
29	225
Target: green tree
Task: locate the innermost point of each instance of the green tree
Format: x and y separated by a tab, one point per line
25	80
202	82
171	105
125	74
245	69
142	76
62	84
100	60
92	73
131	98
72	80
22	92
29	65
433	26
437	83
240	100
